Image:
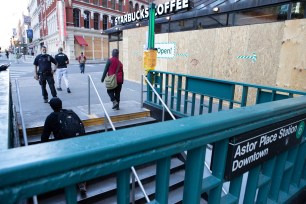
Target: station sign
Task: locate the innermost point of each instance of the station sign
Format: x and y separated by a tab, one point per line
255	147
161	9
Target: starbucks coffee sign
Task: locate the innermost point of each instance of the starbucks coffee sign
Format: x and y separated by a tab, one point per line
161	9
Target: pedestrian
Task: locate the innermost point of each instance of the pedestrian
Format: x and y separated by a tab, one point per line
45	72
62	61
63	124
113	66
82	61
7	53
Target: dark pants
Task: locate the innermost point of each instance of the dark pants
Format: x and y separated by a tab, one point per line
43	79
82	67
114	94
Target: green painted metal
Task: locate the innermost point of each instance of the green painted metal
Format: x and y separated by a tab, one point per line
162	180
193	175
263	191
299	167
71	194
218	167
151	41
220	94
63	164
123	186
277	176
235	187
251	186
287	179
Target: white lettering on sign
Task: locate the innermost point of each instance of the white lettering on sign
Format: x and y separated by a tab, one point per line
165	50
287	131
238	164
161	9
249	147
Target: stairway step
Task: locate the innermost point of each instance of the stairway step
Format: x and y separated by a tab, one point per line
103	190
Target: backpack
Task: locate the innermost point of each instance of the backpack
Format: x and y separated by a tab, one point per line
70	124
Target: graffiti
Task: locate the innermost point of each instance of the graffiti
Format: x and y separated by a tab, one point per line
252	57
194	62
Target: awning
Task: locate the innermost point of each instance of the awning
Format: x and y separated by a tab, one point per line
81	40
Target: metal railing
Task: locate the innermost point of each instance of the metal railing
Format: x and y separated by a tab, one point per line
187	95
113	128
277	179
24	130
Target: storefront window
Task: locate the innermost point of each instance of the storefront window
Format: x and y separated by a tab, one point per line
182	25
298	10
113	4
262	15
214	21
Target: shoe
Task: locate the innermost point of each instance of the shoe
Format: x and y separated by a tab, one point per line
59	89
46	101
68	90
115	104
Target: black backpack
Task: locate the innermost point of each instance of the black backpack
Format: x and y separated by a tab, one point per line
70	124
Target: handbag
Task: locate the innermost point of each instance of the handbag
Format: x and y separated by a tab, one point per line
111	80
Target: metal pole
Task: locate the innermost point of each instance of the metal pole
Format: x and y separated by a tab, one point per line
151	40
133	189
88	95
141	95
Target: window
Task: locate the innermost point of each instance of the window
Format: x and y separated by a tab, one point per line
130	7
105	21
113	21
104	3
76	17
213	21
96	2
262	15
136	7
96	21
86	19
298	10
113	4
87	1
182	25
120	6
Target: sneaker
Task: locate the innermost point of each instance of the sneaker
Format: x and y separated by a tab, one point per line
68	90
46	101
115	104
59	89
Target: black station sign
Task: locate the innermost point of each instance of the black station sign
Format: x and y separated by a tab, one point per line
247	150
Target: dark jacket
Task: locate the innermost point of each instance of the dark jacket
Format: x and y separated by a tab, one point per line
110	69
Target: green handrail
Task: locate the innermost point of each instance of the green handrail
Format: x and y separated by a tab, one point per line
61	164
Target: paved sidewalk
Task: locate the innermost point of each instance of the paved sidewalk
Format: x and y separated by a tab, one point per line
35	110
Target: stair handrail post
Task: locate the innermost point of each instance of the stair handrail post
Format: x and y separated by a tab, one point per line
160	99
114	129
101	102
89	95
24	132
141	95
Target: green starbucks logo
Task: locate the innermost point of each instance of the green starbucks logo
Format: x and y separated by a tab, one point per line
300	130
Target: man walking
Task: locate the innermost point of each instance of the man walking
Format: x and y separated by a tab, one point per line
62	61
82	61
45	73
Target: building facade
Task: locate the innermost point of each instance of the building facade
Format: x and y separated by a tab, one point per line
76	25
